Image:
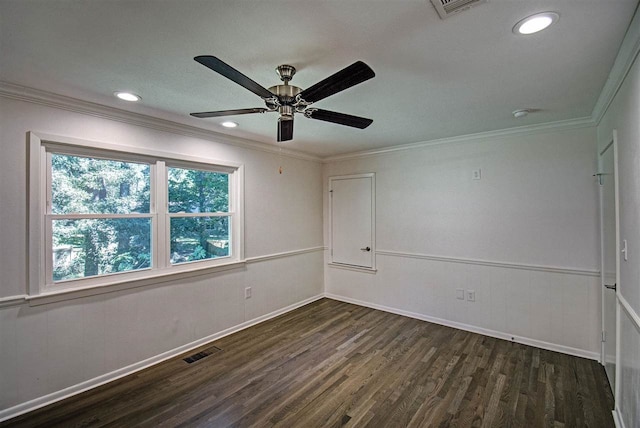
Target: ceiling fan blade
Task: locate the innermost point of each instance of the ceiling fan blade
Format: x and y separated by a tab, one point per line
285	129
232	74
205	114
340	118
356	73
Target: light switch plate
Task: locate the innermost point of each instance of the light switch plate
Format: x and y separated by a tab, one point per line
460	293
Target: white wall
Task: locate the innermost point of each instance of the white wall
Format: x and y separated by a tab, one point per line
623	115
45	349
524	237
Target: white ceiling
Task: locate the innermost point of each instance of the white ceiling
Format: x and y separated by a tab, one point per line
434	78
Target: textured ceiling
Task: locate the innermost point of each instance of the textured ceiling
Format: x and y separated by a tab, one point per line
434	78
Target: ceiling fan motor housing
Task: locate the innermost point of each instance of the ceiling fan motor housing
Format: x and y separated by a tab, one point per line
286	93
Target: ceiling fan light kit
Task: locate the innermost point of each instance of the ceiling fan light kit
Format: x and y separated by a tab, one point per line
286	99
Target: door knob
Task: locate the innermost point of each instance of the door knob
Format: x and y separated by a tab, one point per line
365	249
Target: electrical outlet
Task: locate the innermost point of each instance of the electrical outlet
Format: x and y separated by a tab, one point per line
247	293
471	295
477	174
460	293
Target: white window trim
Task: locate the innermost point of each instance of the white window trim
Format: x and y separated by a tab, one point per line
38	289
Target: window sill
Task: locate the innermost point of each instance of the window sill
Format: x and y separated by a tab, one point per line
353	267
153	278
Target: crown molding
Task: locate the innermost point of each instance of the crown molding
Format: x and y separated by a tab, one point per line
582	122
627	55
49	99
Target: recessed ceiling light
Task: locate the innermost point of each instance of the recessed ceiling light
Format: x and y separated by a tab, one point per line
520	113
534	23
229	124
127	96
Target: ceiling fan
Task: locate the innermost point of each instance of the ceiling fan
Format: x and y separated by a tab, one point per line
288	99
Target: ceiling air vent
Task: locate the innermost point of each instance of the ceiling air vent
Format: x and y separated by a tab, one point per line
446	8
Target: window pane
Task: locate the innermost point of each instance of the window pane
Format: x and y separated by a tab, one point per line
84	185
89	247
199	238
196	191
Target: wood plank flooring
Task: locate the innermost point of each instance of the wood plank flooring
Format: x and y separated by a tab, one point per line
331	364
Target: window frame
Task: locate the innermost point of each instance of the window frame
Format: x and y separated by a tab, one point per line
40	264
169	215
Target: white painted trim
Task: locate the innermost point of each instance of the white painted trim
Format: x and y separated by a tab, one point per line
69	294
613	145
474	329
258	259
36	96
563	125
238	209
372	177
41	291
156	278
616	192
352	267
617	418
35	208
49	99
7	302
81	146
625	58
507	265
631	314
141	365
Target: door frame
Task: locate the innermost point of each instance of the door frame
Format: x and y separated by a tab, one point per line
613	145
372	176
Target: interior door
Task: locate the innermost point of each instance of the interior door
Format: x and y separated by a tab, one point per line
608	218
352	237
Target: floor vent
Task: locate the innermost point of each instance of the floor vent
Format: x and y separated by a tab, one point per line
446	8
195	357
200	355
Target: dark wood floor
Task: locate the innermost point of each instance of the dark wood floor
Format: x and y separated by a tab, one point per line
332	364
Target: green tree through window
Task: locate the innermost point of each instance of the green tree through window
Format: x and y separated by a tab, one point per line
198	204
101	222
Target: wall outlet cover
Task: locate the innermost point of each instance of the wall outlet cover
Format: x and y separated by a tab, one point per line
471	295
477	174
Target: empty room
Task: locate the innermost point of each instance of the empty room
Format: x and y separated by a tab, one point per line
320	213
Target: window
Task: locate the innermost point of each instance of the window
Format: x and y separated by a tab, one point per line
99	216
198	214
108	216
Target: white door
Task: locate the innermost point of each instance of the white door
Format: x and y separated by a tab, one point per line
352	211
609	254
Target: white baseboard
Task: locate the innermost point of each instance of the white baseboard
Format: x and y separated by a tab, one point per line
617	418
125	371
474	329
45	400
